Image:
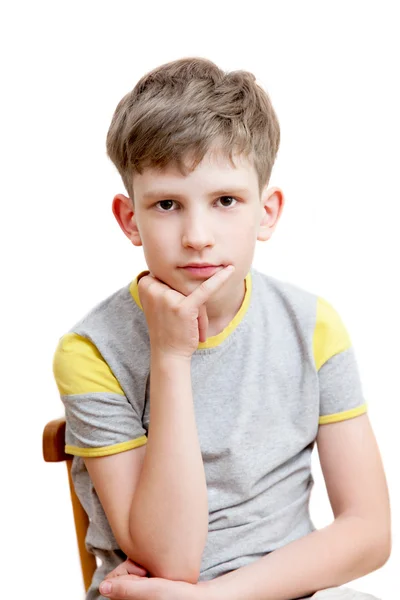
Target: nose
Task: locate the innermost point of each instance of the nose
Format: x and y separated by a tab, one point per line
197	234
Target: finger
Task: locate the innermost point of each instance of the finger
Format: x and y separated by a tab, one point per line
202	293
146	282
120	570
124	587
142	274
135	569
148	279
129	567
203	323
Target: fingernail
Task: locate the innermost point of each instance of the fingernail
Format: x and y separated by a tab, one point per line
229	268
105	587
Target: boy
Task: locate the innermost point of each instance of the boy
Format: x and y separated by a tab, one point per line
195	394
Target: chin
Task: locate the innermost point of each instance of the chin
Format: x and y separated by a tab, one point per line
173	282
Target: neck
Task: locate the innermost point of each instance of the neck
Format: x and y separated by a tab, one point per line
224	309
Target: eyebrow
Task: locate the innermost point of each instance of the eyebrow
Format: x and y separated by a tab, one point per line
222	192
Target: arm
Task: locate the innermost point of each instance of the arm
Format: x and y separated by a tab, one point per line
161	521
169	513
155	497
356	543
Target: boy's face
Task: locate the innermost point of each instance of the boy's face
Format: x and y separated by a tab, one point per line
212	215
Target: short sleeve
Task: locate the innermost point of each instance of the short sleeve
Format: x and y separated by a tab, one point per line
99	418
340	389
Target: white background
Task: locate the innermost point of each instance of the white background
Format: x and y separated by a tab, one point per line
332	71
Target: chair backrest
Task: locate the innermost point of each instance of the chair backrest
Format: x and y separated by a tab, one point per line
53	451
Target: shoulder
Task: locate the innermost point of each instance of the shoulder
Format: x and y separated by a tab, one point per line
309	312
79	363
285	301
110	315
330	334
115	308
79	367
287	292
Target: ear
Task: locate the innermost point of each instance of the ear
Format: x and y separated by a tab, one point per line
124	212
272	202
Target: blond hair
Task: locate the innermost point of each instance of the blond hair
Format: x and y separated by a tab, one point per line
183	109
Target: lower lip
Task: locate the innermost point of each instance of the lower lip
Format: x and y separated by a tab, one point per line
202	271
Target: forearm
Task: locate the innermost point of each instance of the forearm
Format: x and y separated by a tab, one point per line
169	514
343	551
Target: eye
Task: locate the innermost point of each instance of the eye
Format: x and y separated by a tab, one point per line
165	205
167	202
225	198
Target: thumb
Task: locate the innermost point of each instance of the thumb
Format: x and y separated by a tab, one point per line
124	587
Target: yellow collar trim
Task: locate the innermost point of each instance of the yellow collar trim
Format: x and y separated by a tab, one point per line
215	340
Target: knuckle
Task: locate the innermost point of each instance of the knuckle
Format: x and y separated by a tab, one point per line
143	281
152	292
149	291
166	296
176	309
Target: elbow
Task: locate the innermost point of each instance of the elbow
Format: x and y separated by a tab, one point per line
375	542
173	562
160	564
381	548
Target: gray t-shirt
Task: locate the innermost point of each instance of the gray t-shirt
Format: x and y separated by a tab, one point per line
261	388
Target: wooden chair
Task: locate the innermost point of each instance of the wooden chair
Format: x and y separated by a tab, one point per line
53	451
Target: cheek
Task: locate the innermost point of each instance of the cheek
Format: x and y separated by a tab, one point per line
156	248
245	230
155	240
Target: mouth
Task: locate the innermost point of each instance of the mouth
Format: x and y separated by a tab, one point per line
199	271
201	265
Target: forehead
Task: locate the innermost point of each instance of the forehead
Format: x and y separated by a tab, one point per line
215	169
